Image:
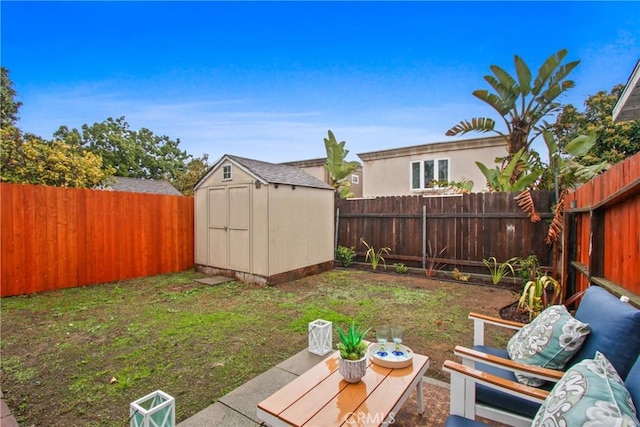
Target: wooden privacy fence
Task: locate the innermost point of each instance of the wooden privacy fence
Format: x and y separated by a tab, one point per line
54	237
471	227
602	231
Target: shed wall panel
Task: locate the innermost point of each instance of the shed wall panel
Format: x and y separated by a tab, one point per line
260	231
300	221
200	226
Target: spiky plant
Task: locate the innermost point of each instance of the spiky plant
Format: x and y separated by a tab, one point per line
352	345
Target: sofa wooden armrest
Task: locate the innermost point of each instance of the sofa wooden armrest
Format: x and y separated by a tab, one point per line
469	354
463	401
480	320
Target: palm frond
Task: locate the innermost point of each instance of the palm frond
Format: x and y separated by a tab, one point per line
563	71
545	71
508	94
524	76
493	100
556	226
477	124
526	203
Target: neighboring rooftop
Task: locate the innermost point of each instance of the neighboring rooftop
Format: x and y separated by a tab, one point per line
136	185
434	147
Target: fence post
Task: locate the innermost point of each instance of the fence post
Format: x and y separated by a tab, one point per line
335	240
424	237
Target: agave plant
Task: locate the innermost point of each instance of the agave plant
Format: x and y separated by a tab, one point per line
352	345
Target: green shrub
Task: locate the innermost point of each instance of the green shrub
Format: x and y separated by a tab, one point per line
401	268
345	255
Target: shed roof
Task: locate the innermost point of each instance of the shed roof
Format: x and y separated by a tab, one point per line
271	173
137	185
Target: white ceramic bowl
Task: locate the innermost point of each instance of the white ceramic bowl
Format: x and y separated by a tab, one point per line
391	360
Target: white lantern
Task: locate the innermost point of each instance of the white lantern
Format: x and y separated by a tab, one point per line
320	337
157	409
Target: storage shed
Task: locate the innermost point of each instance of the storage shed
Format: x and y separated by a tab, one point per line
262	222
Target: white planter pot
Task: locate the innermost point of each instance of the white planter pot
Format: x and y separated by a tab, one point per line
352	370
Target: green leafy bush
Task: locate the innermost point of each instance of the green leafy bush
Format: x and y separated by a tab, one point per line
401	268
345	255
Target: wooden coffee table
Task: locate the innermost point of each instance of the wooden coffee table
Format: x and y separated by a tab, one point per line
321	397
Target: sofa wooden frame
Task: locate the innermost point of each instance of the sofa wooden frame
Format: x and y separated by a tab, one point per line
464	377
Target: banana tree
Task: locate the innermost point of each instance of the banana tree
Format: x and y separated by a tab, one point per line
339	170
522	102
567	172
517	175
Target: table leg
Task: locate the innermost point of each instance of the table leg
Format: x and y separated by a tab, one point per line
420	397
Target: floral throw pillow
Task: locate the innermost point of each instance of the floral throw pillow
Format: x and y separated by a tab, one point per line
590	393
549	341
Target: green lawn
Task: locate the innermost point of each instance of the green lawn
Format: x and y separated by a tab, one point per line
80	356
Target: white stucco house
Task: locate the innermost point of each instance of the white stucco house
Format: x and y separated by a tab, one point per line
419	169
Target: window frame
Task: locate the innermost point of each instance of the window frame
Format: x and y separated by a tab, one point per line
421	172
355	179
227	172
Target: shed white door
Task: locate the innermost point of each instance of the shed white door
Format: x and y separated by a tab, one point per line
229	227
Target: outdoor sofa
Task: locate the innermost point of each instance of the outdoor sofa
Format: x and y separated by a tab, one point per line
485	383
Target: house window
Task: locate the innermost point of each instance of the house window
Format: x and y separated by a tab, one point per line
226	172
427	173
355	179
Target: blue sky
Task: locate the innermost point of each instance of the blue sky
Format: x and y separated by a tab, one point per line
266	80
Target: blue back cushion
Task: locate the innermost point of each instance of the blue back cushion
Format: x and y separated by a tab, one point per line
633	384
615	329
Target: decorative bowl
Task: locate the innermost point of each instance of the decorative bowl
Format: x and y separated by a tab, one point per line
391	360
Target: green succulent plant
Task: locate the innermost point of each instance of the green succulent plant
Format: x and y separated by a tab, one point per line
352	345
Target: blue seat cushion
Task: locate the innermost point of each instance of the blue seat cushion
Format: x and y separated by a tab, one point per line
615	330
458	421
497	398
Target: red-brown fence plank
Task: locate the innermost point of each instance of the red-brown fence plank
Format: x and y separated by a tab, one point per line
615	196
53	238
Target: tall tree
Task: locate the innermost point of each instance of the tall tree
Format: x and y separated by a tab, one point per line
614	141
338	168
521	103
32	160
134	154
196	169
9	107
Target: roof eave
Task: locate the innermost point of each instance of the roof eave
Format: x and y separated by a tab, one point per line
628	106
